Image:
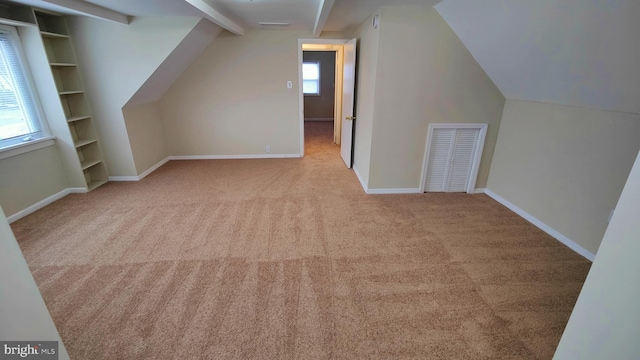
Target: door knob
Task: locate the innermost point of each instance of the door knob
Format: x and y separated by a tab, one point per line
350	118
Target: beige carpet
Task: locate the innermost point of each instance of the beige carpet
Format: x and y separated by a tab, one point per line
289	259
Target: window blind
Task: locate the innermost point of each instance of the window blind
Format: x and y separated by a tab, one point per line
19	120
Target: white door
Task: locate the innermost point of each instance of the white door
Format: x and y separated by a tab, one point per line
452	156
348	97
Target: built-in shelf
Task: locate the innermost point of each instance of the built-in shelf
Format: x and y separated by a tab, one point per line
84	142
51	35
94	184
77	118
72	92
57	64
79	130
89	163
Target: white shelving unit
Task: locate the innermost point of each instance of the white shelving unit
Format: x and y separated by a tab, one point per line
66	76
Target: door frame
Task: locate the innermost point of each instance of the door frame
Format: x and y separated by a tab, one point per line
475	166
336	45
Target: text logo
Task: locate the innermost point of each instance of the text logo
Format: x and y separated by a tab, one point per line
37	350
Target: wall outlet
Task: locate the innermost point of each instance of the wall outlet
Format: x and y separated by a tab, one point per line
289	85
268	149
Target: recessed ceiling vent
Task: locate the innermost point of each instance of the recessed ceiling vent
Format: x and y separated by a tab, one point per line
279	24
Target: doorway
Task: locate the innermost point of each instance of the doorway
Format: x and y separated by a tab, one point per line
343	91
319	90
311	104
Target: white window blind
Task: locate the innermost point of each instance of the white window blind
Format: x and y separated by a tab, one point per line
311	77
19	117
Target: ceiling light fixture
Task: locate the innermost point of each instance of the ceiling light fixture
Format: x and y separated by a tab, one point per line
264	23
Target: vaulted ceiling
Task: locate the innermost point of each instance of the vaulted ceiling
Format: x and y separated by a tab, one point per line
572	52
300	14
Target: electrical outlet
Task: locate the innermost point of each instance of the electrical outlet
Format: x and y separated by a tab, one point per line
289	85
268	148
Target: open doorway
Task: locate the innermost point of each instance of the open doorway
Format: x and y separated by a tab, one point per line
319	91
343	91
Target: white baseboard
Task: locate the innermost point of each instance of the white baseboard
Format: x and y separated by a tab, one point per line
366	189
394	191
318	119
542	226
153	168
141	176
200	157
362	183
39	205
479	191
78	190
231	157
123	178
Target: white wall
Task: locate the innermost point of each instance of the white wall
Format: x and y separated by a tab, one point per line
23	312
233	100
115	61
605	322
28	178
368	40
565	166
424	75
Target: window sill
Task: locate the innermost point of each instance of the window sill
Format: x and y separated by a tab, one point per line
33	145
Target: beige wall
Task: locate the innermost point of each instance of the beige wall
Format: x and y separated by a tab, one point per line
31	177
176	63
368	40
321	107
115	61
23	312
233	100
424	75
605	322
565	166
146	135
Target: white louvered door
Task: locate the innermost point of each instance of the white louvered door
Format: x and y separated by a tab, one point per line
461	160
451	156
439	155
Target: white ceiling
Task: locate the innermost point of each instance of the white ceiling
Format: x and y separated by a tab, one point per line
571	52
345	14
300	13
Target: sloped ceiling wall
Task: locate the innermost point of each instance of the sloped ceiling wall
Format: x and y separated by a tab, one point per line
571	52
176	63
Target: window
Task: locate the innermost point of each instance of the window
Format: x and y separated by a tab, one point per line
20	120
311	77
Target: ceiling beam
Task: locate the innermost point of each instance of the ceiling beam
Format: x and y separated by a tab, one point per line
323	14
88	9
216	17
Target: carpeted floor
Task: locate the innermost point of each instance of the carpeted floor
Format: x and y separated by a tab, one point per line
289	259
